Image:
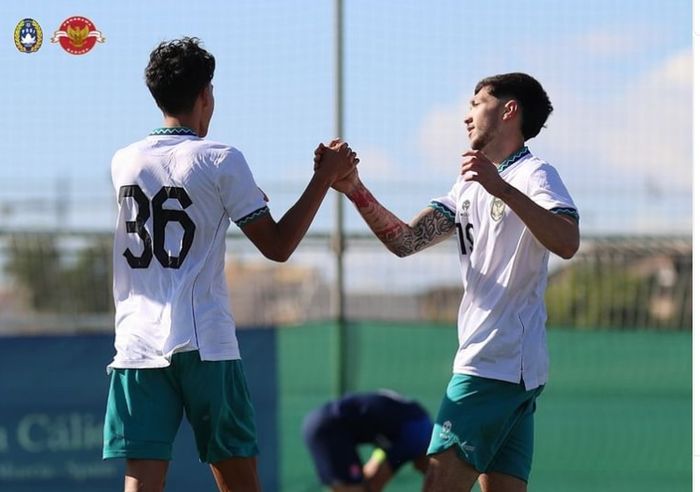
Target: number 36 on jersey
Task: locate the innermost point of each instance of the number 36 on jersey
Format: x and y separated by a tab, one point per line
161	217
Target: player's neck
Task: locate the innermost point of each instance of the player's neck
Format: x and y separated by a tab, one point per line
187	121
498	151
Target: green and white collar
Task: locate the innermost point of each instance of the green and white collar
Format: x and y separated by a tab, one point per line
174	130
513	158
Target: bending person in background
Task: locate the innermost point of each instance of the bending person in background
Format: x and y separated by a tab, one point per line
175	336
399	428
508	210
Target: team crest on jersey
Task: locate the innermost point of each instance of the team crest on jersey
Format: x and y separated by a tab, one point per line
77	35
446	430
465	208
498	208
28	36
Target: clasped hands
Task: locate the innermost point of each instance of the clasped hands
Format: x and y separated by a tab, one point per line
339	162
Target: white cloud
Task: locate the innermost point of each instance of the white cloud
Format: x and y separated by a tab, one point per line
675	73
605	43
375	163
648	130
442	137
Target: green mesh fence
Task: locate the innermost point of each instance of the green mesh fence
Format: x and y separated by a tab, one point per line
615	416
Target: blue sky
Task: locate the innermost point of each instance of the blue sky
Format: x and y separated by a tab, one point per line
619	74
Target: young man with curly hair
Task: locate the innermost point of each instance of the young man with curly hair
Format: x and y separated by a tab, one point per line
175	337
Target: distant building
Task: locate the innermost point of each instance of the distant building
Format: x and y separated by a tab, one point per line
267	293
625	282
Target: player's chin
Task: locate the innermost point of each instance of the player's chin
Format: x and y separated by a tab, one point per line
477	143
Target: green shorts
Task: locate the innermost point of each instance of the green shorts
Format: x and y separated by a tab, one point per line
490	423
145	406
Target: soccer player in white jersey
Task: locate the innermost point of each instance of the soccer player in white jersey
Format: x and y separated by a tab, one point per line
175	338
508	210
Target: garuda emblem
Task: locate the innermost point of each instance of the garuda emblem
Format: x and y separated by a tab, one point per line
498	208
77	35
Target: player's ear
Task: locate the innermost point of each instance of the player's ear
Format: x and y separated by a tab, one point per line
510	109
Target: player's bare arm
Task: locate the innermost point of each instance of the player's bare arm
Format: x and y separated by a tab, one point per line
429	227
558	233
278	240
377	472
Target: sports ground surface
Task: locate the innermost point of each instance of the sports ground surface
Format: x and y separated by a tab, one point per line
615	416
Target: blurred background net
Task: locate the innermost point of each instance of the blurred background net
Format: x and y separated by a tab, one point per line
616	413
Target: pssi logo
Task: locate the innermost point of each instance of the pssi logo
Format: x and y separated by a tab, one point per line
77	35
446	430
28	36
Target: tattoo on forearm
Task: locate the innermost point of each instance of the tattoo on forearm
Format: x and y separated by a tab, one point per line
402	239
361	197
430	227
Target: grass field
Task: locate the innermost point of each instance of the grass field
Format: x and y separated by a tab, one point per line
615	416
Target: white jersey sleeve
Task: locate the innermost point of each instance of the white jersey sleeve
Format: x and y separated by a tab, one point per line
546	189
447	205
242	199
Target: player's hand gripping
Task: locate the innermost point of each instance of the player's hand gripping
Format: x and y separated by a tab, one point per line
335	163
345	183
477	167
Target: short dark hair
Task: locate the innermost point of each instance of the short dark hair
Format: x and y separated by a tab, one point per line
177	72
522	87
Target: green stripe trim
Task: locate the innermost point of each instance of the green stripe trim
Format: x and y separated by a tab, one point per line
571	212
435	205
252	216
174	130
513	158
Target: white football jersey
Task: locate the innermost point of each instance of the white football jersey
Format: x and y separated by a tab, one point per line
176	195
501	321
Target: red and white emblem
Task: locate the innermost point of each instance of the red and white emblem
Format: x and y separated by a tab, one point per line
77	35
